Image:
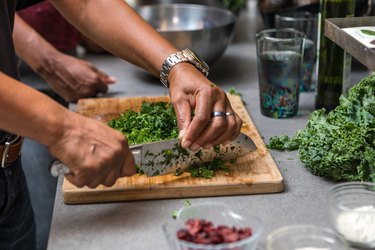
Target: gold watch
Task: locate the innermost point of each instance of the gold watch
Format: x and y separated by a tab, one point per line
186	55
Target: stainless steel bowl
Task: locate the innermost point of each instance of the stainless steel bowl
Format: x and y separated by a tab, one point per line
207	30
137	3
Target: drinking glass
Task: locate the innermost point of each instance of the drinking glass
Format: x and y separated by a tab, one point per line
279	53
304	237
307	23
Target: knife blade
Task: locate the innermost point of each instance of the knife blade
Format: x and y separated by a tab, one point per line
167	157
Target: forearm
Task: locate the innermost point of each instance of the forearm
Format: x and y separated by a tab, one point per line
132	38
26	112
32	47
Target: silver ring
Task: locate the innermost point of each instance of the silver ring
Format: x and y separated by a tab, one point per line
219	113
229	113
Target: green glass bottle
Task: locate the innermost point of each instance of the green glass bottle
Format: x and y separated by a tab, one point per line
334	63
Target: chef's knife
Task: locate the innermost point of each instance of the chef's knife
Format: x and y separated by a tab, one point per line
166	157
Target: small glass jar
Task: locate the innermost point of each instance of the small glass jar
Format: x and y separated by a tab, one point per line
218	214
305	237
352	211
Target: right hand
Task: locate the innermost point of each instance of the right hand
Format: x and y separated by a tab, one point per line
95	153
73	78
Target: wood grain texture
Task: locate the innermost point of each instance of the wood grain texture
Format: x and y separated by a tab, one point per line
252	174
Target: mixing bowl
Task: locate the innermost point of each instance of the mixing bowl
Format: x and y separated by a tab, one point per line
137	3
207	30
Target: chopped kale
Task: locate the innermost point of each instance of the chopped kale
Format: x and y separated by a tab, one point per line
207	169
341	144
155	122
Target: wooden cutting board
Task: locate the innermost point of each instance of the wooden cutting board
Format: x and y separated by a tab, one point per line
254	173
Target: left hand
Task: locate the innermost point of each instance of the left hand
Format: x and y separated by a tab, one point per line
191	91
73	78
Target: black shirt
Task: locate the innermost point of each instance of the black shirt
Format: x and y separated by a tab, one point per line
8	59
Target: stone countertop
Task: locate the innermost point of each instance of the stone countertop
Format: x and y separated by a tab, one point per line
138	224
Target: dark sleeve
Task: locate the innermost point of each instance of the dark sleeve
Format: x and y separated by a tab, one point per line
21	4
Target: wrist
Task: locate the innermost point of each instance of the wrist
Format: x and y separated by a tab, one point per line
46	60
184	56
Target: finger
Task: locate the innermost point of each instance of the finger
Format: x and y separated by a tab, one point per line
199	122
81	179
128	168
230	130
112	177
238	127
183	116
102	88
106	78
214	129
109	79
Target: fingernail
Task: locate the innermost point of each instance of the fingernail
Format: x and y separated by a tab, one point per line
112	79
195	147
208	146
185	144
181	134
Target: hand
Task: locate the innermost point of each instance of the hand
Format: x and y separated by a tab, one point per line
191	91
94	152
73	78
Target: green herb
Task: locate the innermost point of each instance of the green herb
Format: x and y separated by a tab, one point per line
155	122
234	5
368	32
175	211
233	91
341	144
207	170
139	170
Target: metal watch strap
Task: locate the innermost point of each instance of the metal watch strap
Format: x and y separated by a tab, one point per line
185	55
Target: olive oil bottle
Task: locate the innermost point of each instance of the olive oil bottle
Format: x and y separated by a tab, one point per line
334	63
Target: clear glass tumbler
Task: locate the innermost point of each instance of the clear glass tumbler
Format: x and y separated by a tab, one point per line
352	210
305	237
307	23
279	53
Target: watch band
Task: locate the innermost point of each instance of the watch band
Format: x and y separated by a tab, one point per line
186	55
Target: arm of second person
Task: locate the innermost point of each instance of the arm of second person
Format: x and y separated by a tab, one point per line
70	77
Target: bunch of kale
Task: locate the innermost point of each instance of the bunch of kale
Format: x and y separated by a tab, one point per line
341	144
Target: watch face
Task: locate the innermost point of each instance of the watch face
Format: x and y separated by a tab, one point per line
204	64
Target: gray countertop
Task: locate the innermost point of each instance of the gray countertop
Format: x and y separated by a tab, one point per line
138	224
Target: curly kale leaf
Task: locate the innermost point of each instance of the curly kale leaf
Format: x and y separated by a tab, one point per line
341	144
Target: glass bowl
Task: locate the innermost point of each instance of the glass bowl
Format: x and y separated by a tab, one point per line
218	214
352	211
305	237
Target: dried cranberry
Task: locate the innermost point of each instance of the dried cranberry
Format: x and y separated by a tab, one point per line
201	231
